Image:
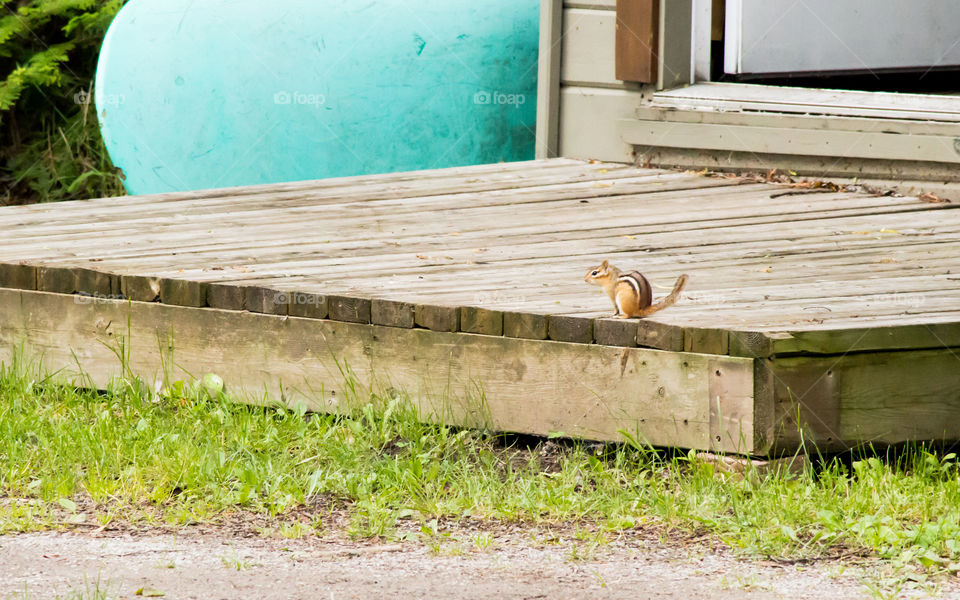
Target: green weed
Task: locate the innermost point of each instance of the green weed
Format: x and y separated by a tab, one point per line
191	454
50	143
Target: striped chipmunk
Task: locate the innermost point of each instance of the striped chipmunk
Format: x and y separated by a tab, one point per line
630	292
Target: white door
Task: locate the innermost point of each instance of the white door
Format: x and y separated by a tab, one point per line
815	36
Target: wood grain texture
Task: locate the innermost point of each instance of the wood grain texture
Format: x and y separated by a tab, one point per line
548	78
481	320
771	265
393	313
510	384
437	318
866	398
615	332
183	292
636	40
656	334
265	300
351	309
308	305
525	325
60	280
773	139
564	328
18	276
227	296
141	288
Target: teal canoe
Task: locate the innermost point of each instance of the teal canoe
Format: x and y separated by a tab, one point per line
197	94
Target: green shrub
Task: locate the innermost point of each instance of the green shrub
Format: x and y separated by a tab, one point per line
50	144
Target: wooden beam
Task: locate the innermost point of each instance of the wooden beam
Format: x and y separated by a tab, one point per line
510	384
867	398
842	341
674	47
638	22
774	139
548	78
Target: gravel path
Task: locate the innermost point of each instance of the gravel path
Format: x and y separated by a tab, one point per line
216	564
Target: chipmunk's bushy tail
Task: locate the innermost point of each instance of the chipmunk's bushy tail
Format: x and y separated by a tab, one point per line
667	300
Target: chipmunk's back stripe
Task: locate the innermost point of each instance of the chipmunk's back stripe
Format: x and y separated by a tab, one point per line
634	283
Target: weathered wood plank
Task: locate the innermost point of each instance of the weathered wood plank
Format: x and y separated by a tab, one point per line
60	280
393	313
265	300
437	318
183	292
351	309
615	332
638	22
525	325
759	99
393	182
437	192
474	319
761	263
652	333
731	409
842	341
741	237
91	282
781	140
140	288
18	276
589	391
228	296
307	304
866	398
548	78
570	329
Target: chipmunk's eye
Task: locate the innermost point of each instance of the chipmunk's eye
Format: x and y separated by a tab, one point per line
594	273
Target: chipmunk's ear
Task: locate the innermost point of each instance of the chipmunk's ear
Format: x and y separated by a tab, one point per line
605	264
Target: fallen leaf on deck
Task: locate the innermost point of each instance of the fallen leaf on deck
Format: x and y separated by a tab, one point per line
932	198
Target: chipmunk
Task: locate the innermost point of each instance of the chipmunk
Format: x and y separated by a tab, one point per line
630	292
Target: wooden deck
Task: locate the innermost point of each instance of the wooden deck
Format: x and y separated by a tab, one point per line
827	317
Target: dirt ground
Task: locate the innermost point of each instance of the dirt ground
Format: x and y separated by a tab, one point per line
214	563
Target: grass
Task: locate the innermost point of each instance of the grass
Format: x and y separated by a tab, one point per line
63	158
78	458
